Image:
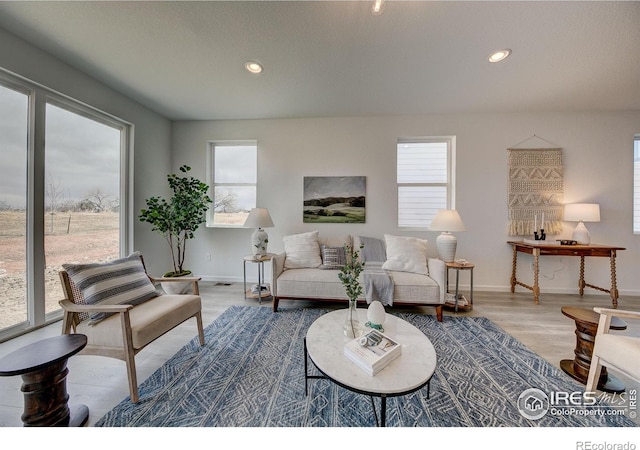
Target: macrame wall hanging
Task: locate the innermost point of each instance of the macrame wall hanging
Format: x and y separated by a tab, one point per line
536	188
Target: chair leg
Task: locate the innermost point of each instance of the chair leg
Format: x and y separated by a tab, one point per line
200	329
594	374
129	357
132	377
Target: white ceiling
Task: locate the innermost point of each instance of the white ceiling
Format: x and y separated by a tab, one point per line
185	59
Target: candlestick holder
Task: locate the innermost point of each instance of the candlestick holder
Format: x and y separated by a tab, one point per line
542	236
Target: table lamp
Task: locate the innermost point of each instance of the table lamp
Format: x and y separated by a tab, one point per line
582	212
259	218
447	220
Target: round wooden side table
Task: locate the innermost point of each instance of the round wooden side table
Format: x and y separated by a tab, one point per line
460	266
43	367
262	287
586	327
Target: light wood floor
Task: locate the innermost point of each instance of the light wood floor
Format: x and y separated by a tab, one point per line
100	383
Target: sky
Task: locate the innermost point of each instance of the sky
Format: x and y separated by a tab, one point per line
82	155
321	187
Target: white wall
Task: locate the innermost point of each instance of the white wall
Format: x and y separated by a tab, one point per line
151	135
598	157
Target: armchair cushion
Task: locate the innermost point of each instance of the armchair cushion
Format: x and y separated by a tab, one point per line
148	321
121	281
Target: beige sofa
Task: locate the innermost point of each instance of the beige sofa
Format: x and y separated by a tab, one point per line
296	277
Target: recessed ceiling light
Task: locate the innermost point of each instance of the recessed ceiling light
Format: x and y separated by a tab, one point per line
500	55
377	7
253	67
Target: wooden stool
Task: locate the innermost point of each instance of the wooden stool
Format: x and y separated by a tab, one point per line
43	367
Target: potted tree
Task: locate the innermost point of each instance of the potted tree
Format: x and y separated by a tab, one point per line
179	217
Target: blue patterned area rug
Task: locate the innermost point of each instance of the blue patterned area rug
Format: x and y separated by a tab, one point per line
250	373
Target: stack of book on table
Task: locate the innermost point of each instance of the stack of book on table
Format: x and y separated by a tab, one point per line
373	351
450	299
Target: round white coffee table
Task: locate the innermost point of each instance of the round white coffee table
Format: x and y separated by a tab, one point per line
412	370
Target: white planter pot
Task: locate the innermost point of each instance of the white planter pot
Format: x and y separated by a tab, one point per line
176	287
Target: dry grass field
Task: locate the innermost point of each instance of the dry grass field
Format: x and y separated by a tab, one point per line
69	237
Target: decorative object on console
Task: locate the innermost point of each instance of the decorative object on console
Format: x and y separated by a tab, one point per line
582	212
536	186
376	315
447	220
259	218
350	277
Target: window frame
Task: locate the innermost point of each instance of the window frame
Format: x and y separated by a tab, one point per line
210	174
635	216
38	98
449	184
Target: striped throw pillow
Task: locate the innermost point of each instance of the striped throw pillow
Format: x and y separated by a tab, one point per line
333	258
117	282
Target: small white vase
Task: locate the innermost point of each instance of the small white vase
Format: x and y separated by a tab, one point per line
176	287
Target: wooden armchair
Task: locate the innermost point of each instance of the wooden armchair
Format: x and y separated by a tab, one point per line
616	351
128	328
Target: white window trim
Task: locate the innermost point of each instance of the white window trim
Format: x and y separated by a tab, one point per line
39	96
211	145
451	174
635	224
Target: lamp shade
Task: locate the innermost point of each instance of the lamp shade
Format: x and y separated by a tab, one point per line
259	218
582	212
447	220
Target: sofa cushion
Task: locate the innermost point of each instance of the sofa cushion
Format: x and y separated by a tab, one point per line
406	254
414	288
333	258
311	284
302	250
117	282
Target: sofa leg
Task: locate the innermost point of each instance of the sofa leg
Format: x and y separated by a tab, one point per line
275	304
439	309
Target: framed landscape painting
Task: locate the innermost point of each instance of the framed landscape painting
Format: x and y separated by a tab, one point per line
334	199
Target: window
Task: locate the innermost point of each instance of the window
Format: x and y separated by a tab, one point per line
636	184
425	177
63	196
233	175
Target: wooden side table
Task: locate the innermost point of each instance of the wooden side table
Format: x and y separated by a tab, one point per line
459	266
586	327
43	367
262	293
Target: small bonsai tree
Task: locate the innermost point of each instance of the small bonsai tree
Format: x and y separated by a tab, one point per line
179	217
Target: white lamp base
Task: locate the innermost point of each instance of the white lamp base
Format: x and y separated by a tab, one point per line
259	241
581	235
446	244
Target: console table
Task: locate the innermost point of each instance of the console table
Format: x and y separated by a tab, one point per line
580	250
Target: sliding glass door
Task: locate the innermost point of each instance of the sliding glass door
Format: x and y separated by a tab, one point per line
14	108
82	194
63	190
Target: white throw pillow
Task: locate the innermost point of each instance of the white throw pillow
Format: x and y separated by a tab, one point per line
302	250
406	254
